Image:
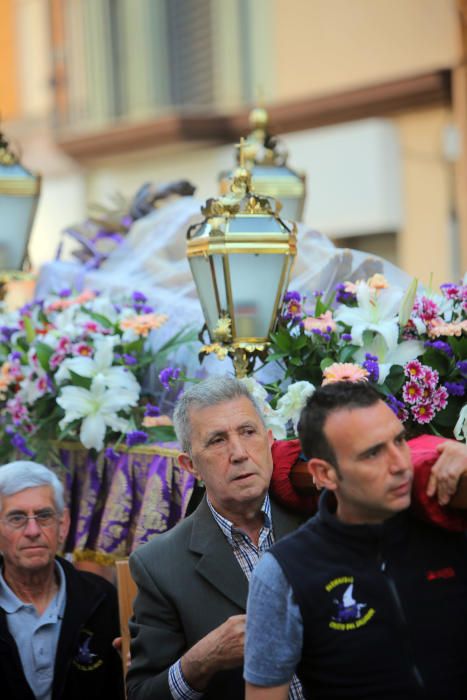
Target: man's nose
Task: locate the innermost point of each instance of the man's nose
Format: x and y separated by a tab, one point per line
237	449
32	529
398	459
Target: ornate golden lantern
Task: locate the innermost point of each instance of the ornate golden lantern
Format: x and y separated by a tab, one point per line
266	159
241	257
19	195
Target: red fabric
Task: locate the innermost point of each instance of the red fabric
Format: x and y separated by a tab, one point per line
285	454
424	455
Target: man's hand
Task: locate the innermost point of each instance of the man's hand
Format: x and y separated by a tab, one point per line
219	650
447	470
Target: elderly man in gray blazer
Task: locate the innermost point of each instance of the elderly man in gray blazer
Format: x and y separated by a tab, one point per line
189	614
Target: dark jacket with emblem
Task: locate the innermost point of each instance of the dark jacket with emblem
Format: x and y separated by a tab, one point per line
91	613
384	607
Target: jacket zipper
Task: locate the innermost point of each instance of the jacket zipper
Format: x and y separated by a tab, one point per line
400	611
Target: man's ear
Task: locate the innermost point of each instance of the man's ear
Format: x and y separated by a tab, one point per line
323	473
186	463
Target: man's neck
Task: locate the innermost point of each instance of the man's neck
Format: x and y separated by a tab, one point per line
33	587
249	519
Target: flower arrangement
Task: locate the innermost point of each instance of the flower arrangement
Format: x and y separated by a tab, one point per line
78	367
411	346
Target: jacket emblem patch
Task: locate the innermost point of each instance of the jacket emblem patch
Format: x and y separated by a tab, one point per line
86	659
349	614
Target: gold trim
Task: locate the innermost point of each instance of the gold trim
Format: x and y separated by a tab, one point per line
228	293
279	189
20	187
138	449
208	248
101	558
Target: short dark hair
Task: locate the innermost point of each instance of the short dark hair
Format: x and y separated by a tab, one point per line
324	401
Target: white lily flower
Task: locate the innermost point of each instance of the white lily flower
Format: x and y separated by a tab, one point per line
256	389
376	311
290	405
98	408
99	365
399	354
460	430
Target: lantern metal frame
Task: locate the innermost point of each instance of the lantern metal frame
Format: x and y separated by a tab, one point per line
220	234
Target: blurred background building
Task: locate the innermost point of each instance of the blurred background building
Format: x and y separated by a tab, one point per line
370	97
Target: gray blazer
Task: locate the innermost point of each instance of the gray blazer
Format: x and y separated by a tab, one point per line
189	582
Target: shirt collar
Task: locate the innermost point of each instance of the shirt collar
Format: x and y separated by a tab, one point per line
229	529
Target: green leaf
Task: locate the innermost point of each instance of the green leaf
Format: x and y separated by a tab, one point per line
29	329
102	320
407	302
162	433
44	353
77	380
326	362
347	352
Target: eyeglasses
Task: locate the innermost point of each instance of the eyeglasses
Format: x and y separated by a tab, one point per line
18	521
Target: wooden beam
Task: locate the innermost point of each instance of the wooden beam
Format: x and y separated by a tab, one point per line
380	100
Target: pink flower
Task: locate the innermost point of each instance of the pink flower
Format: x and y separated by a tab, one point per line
56	360
324	323
440	398
430	377
344	372
414	369
61	304
63	345
423	413
438	327
17	410
412	392
378	281
82	349
426	309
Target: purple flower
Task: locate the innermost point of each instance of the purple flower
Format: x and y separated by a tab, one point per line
455	388
168	374
111	454
146	309
19	442
462	367
7	332
397	407
129	359
441	346
65	292
292	296
346	336
318	294
152	410
136	437
139	297
372	367
15	356
343	296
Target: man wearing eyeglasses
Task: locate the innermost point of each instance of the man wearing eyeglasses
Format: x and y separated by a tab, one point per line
56	624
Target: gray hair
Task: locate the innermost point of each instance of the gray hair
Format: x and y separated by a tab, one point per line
17	476
209	392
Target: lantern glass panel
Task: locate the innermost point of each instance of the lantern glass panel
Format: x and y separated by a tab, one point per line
16	214
201	271
255	224
254	282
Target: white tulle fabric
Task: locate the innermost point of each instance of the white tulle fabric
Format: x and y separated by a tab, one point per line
152	259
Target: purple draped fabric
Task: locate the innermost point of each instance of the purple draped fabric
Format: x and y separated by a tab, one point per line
116	505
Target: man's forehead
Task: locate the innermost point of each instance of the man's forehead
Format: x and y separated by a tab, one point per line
361	426
223	416
31	497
